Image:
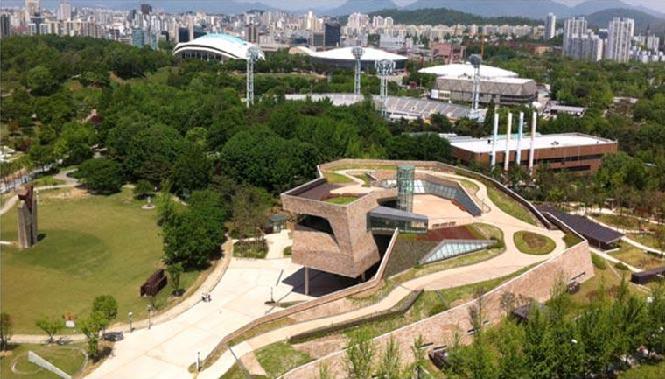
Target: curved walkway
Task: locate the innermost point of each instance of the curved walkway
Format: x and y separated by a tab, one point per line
508	262
166	350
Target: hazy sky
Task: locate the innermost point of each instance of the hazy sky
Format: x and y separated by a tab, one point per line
294	4
654	4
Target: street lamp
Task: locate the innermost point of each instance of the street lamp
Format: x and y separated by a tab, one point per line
149	316
129	316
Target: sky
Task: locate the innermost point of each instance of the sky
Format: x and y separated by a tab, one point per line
658	5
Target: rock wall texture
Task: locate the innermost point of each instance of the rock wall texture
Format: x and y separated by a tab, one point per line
572	265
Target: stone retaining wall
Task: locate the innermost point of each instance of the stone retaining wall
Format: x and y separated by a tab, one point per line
537	283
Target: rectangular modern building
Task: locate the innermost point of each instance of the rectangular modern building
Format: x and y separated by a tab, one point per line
568	151
332	34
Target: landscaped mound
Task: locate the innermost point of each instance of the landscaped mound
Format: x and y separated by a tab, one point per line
533	244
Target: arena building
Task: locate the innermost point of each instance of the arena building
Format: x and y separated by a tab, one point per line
215	46
455	83
566	151
397	107
343	57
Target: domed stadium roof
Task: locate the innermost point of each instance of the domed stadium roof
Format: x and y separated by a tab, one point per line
459	71
228	46
346	54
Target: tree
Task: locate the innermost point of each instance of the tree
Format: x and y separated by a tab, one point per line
191	171
101	175
195	234
106	305
391	364
6	327
143	189
152	153
74	143
41	80
359	357
41	155
50	326
174	270
90	327
250	211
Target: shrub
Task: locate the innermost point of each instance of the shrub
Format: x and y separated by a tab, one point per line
598	262
620	266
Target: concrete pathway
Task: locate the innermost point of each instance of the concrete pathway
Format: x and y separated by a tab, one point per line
166	350
277	243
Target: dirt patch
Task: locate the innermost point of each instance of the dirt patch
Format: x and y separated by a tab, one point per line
534	241
322	346
66	194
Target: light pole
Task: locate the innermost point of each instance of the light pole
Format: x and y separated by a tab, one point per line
129	316
149	316
253	54
357	55
384	68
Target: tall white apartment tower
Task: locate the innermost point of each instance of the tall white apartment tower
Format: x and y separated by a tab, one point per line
550	26
64	10
620	34
573	28
32	7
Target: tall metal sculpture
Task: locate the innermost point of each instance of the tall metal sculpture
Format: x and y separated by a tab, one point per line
357	54
475	61
252	57
384	68
27	217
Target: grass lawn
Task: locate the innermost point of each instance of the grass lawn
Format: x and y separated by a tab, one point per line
571	239
469	186
68	358
250	249
645	371
335	178
532	243
510	206
618	221
341	200
636	257
280	357
91	246
645	239
48	180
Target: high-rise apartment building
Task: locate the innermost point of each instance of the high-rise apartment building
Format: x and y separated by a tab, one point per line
32	9
574	27
620	34
64	10
332	34
550	27
5	25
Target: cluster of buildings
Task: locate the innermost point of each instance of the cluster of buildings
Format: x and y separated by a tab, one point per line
616	43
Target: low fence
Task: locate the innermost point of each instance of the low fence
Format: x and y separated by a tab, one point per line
441	329
369	285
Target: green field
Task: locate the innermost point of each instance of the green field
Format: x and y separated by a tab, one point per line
637	257
91	246
533	243
509	205
68	358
